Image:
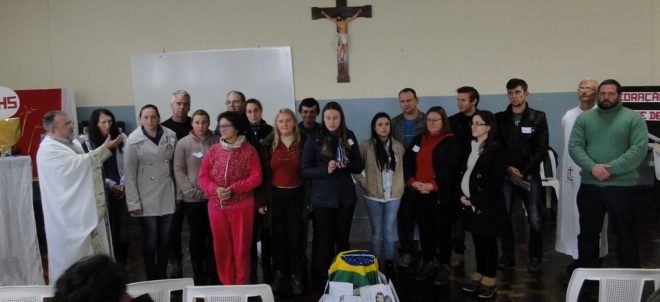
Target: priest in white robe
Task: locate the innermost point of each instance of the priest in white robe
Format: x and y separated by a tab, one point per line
568	226
72	195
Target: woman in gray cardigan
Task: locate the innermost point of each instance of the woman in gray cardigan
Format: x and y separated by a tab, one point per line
150	187
382	182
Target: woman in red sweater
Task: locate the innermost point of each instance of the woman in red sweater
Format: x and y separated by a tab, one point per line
430	169
282	157
229	173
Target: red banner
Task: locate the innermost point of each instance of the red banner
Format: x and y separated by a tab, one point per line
34	104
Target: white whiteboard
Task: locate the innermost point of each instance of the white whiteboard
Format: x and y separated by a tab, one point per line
262	73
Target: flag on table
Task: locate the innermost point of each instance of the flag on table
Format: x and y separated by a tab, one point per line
355	266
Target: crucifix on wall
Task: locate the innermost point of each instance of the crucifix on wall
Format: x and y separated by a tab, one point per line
341	15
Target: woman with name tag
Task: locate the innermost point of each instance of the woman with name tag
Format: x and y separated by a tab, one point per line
150	187
329	158
188	155
430	169
382	182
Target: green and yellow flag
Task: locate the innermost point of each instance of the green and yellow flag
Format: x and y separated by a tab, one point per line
355	266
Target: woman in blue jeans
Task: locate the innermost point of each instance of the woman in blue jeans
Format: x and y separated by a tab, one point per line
382	182
150	191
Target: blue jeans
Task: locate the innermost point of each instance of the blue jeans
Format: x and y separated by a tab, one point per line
382	216
156	244
534	206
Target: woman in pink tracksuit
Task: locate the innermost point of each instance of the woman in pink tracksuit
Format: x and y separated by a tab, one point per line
229	173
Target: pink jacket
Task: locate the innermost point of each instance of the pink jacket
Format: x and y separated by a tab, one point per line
238	169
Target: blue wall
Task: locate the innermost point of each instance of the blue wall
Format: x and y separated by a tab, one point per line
360	111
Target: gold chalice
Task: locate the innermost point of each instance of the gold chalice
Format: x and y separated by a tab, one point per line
9	134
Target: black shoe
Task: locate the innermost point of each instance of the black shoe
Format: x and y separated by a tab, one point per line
534	265
175	269
471	286
426	271
276	286
505	263
389	269
486	291
571	267
297	287
442	278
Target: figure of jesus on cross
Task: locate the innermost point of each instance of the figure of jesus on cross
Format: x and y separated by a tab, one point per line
341	15
342	33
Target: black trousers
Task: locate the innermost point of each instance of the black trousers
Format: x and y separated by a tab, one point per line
201	242
406	223
485	250
434	218
619	204
119	226
175	233
332	228
286	230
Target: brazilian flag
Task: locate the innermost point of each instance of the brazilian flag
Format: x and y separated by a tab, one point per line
355	266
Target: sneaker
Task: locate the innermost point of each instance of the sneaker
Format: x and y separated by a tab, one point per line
471	286
534	265
276	286
405	260
505	262
426	271
486	291
297	287
442	278
175	269
456	260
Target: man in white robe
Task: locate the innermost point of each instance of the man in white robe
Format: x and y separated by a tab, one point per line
568	226
72	195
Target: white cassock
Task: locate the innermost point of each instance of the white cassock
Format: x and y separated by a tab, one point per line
568	218
73	202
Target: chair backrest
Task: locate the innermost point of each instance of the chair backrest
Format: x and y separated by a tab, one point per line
616	284
158	290
549	162
30	293
228	293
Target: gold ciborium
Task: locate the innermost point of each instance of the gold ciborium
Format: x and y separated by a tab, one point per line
9	134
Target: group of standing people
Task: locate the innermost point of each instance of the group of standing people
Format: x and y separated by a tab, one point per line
248	181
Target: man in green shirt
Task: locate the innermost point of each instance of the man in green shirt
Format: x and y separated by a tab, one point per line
608	143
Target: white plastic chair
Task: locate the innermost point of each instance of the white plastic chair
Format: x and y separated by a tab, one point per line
550	181
158	290
615	284
30	293
228	293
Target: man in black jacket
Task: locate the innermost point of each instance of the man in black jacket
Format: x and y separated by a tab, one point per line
524	133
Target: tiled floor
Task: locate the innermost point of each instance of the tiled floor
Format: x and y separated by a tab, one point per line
513	285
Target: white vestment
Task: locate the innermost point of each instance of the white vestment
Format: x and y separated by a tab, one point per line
568	223
73	202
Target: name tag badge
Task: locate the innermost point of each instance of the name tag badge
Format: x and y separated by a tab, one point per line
350	142
415	148
198	154
526	130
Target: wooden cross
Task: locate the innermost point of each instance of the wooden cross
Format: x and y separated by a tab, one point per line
341	15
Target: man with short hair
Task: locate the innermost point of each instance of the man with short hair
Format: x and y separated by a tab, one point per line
467	100
235	102
73	195
405	126
181	124
308	109
524	135
608	143
567	212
